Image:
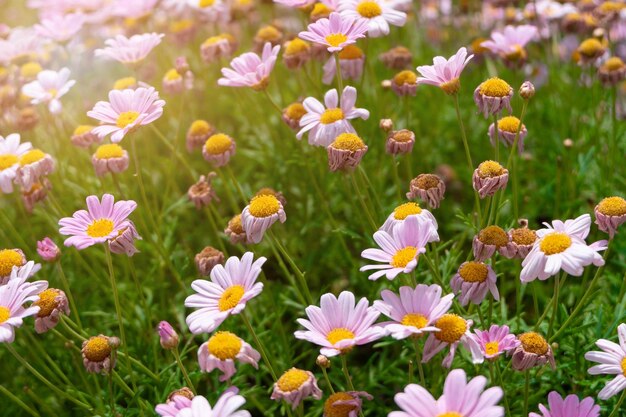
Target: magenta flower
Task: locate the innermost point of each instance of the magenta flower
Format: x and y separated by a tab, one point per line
400	249
336	32
415	311
126	111
444	73
167	335
571	406
48	250
496	341
612	361
129	50
250	69
340	324
460	398
510	42
230	288
101	222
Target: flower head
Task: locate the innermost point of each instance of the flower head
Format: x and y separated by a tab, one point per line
260	214
414	311
129	50
230	288
126	111
492	96
52	303
340	324
569	406
378	14
250	69
221	352
406	210
48	250
167	335
611	361
345	152
226	406
445	73
345	404
495	341
294	385
610	214
97	353
101	222
533	350
453	329
11	150
335	32
60	27
510	43
49	87
473	280
428	187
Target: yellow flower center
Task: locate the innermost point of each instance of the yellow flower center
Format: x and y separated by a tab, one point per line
450	414
7	161
235	224
493	235
264	205
206	3
296	46
30	69
523	236
331	116
518	53
295	111
47	302
124	83
200	128
474	272
451	328
172	75
339	410
100	228
5	314
405	210
82	129
181	25
32	157
403	136
320	9
224	345
613	64
495	87
218	144
292	380
336	39
403	257
348	142
477	47
8	259
351	52
590	47
555	242
612	206
405	77
97	349
491	348
451	87
126	118
416	320
108	151
269	33
508	124
230	297
490	169
427	181
610	7
369	9
339	334
534	343
623	360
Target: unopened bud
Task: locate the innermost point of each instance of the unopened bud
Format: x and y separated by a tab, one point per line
167	335
323	362
527	90
114	342
386	124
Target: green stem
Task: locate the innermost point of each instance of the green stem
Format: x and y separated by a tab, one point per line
418	357
618	405
182	369
361	199
555	306
338	73
19	402
257	341
294	266
272	102
66	288
501	382
330	385
526	391
346	373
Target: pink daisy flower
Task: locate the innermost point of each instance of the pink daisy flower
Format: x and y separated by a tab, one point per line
400	249
222	350
250	69
325	122
472	282
230	288
612	361
226	406
336	32
510	43
405	210
460	398
11	150
60	27
49	87
129	50
174	404
378	14
126	111
414	311
445	73
495	341
453	330
13	296
571	406
562	246
340	324
102	221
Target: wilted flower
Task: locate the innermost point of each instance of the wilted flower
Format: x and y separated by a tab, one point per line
507	130
207	259
48	250
404	83
492	96
222	351
124	242
612	71
235	231
52	303
489	178
427	187
218	149
610	214
83	137
345	152
97	353
292	115
397	58
217	47
34	165
260	214
590	50
347	404
202	193
472	281
521	241
198	133
295	385
533	351
400	142
488	241
111	158
297	53
351	62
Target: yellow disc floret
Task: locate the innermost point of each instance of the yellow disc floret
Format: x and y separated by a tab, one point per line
124	83
495	87
218	144
224	345
336	39
403	257
8	259
97	349
30	69
534	343
555	242
100	228
369	9
491	348
590	48
348	142
351	52
199	128
493	235
405	77
523	236
172	75
110	150
623	360
126	118
297	46
416	320
451	328
292	380
264	205
295	111
235	224
47	302
405	210
82	129
230	297
508	124
450	414
32	156
613	64
490	169
339	410
474	272
331	115
5	314
269	33
339	334
7	161
612	206
427	181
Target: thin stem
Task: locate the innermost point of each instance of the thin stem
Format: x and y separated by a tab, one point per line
506	401
511	164
418	357
338	73
330	385
182	369
361	199
526	391
555	306
66	288
346	373
618	405
166	142
257	341
272	102
294	266
497	139
19	402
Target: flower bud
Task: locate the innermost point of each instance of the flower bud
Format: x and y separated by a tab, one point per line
48	250
527	90
167	335
323	362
